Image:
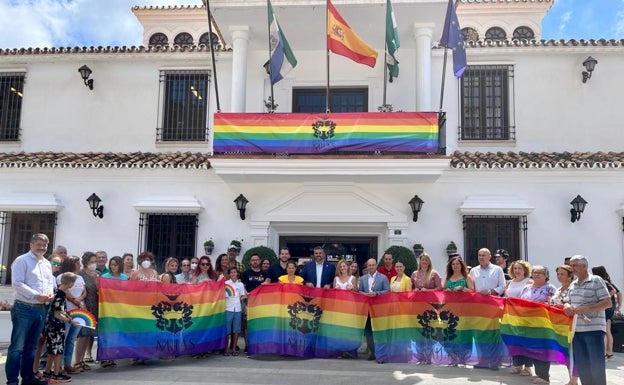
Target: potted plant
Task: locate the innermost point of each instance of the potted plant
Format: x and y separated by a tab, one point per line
418	249
451	248
209	246
6	326
236	243
270	105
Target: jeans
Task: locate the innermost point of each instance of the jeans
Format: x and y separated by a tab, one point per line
28	324
589	357
71	333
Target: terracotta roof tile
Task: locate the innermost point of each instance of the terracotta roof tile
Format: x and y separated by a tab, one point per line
110	50
186	160
540	160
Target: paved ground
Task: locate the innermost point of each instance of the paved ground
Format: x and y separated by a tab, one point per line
271	370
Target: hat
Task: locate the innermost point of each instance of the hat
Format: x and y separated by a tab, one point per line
230	247
501	253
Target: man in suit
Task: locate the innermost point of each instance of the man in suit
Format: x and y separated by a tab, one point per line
320	273
372	284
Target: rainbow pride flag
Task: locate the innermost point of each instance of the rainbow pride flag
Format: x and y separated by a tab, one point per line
438	327
297	320
536	330
146	320
415	132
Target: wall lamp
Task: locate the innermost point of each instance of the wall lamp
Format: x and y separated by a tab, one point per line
85	72
94	205
241	204
416	204
589	64
578	206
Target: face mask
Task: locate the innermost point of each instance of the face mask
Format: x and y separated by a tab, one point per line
193	266
146	264
92	266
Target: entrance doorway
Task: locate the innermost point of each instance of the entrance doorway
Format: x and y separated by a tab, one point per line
359	249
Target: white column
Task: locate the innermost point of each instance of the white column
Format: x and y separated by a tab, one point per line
422	36
240	42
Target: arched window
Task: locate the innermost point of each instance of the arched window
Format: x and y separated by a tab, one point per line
495	33
470	34
523	33
204	39
158	39
183	38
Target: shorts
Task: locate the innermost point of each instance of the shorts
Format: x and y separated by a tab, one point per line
87	332
232	322
609	313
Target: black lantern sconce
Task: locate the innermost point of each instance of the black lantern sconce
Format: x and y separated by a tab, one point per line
416	204
578	206
94	205
85	72
241	204
589	64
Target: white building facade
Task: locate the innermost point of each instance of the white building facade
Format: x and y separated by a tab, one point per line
524	135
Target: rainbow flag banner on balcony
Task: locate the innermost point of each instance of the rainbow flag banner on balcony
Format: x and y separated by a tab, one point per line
139	319
536	330
413	132
438	327
297	320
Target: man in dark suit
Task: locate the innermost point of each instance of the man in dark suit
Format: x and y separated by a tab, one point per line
372	284
319	273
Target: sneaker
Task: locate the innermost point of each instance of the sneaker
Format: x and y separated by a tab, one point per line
35	381
60	378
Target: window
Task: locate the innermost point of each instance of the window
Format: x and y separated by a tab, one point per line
158	39
183	39
470	34
523	33
493	232
11	94
495	33
184	96
204	39
340	100
487	103
168	235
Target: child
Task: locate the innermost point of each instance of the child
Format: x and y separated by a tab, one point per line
54	330
233	310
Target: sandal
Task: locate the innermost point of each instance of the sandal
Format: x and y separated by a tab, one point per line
89	360
84	366
107	364
516	370
539	380
526	372
78	367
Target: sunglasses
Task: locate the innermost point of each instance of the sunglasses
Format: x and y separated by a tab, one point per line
55	263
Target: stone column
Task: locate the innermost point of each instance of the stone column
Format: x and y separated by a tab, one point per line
240	43
422	36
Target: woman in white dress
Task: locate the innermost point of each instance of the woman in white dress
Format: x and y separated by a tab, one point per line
344	280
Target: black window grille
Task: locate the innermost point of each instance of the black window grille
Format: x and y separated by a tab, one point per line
11	95
183	38
494	232
523	33
205	39
495	33
487	109
470	34
168	235
184	96
159	38
340	99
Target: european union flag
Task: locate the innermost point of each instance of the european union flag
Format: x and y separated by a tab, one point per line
452	38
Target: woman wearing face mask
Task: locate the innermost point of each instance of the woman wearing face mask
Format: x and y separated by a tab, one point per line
84	342
146	271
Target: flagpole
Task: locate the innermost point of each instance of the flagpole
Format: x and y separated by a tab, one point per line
212	54
327	60
386	70
443	78
269	11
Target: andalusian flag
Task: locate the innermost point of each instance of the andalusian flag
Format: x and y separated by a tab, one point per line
297	320
341	39
392	42
536	330
146	320
282	59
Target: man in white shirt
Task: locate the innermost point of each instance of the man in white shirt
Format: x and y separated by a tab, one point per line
489	278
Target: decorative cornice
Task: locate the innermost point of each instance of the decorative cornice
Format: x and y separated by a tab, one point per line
537	160
177	160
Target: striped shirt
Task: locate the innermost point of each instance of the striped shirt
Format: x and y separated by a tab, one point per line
590	292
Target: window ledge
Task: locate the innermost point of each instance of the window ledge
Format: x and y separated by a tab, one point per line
186	145
485	143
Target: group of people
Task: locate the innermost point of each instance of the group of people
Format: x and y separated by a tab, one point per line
46	290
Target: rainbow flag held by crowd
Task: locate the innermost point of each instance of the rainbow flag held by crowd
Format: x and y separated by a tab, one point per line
536	330
297	320
139	319
438	327
301	133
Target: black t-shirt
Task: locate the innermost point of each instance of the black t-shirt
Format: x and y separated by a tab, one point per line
252	279
276	271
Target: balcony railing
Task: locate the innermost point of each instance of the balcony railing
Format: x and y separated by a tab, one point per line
333	133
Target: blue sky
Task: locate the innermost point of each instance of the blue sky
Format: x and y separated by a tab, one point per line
47	23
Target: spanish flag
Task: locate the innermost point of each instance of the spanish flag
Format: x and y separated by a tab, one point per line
341	39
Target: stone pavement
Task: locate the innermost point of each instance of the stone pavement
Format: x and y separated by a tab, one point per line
271	370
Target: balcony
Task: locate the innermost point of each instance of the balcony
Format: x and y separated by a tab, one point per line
384	145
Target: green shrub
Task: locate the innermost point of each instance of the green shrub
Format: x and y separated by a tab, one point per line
263	251
405	255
